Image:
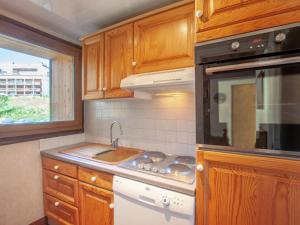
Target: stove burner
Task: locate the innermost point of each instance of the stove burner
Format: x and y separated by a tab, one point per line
174	167
179	169
142	160
185	160
154	156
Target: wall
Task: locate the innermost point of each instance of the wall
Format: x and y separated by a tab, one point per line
21	199
165	123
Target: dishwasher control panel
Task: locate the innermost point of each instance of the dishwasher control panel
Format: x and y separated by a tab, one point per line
155	196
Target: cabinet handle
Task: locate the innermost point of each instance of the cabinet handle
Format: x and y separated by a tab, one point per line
93	179
134	63
56	204
56	167
56	177
200	167
111	205
199	13
104	89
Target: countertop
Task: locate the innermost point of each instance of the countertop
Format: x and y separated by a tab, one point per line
173	185
291	155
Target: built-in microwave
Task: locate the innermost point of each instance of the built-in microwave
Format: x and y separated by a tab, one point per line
248	93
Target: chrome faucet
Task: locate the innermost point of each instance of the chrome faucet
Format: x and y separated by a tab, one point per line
114	142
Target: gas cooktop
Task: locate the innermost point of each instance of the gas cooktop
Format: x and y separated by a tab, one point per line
180	168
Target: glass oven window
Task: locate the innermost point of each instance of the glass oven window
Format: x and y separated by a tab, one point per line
254	108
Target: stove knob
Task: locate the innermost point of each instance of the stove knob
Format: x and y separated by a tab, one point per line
147	167
165	201
235	45
162	171
140	166
154	169
280	37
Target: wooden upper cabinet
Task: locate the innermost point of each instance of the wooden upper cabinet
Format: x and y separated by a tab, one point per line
93	65
238	189
118	60
216	18
95	205
165	41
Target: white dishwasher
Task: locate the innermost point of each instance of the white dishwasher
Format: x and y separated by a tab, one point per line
137	203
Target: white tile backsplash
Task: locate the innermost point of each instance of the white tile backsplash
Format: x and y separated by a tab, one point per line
164	124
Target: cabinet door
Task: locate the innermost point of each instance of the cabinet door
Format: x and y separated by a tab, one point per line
247	190
95	205
93	65
118	60
218	18
165	41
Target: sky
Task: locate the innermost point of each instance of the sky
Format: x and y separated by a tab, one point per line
7	56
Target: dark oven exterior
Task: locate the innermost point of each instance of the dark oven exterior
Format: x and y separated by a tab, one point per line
247	93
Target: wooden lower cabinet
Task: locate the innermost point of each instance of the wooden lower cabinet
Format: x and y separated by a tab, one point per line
235	189
86	198
61	212
96	205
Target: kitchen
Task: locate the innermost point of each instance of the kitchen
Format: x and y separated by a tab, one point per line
149	112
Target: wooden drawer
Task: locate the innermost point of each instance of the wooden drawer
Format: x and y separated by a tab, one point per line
61	187
60	211
60	167
100	179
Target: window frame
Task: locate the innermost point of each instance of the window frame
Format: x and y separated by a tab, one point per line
25	132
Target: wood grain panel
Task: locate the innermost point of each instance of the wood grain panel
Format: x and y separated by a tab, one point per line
226	18
94	205
243	115
62	88
60	211
247	190
67	169
93	67
165	41
101	179
118	60
61	187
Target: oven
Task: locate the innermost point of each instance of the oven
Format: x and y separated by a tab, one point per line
248	93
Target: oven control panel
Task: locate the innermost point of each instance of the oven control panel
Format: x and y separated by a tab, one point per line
256	43
248	45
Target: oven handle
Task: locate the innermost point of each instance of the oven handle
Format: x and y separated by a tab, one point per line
273	62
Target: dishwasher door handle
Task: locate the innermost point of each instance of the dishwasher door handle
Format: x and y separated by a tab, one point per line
146	200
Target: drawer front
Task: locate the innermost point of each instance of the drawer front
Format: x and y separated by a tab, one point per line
61	187
60	211
60	167
99	179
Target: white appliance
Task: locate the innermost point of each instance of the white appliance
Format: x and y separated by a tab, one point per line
163	81
136	203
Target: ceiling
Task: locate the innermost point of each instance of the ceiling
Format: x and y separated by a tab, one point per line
71	19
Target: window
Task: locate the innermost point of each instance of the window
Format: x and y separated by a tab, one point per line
40	84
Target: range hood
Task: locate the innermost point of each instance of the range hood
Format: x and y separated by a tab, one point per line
178	80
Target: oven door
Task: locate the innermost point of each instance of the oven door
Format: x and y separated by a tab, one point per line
250	105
